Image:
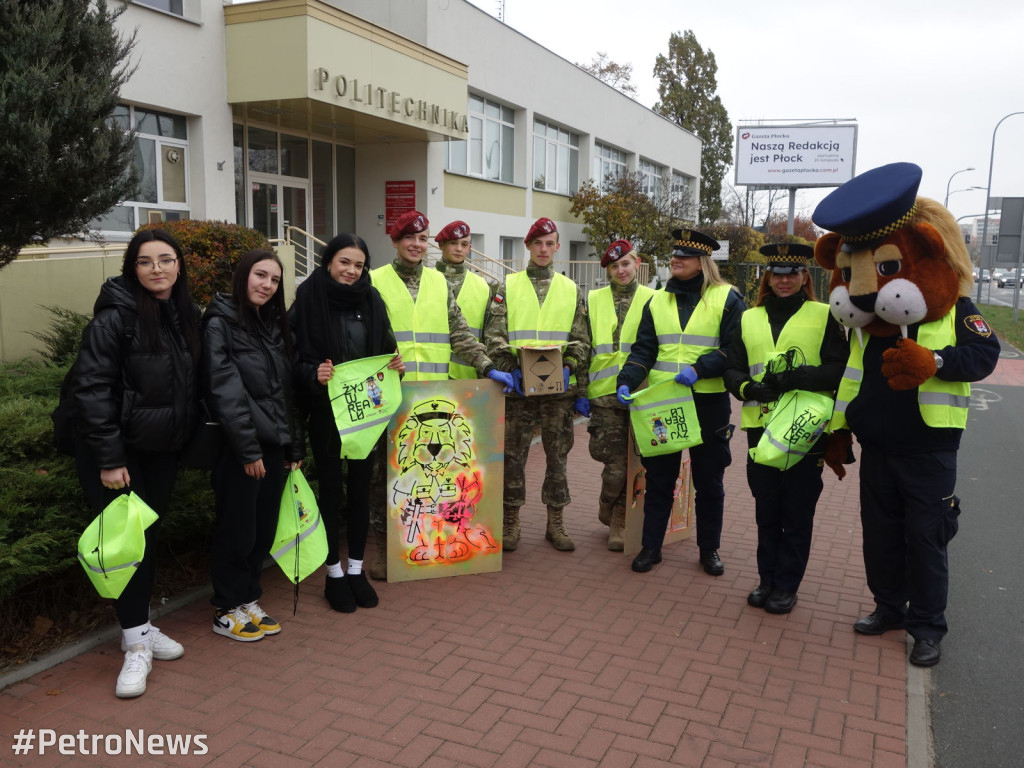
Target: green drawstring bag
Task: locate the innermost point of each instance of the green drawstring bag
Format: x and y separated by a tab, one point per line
300	542
113	544
364	396
664	419
792	428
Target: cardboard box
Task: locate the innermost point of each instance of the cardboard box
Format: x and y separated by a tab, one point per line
542	370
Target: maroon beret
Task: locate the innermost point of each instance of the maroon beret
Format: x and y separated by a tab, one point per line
454	231
616	251
409	223
541	226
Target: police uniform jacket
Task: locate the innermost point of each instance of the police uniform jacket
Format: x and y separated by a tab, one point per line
891	420
711	364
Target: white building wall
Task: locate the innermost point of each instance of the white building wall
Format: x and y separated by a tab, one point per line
180	67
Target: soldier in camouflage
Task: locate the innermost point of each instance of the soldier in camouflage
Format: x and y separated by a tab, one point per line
424	360
614	313
552	412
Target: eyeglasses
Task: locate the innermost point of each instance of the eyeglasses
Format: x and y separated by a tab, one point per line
145	265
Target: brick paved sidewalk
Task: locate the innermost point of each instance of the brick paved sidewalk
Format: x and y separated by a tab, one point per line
566	660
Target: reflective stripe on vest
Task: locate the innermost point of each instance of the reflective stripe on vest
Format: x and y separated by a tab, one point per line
420	328
472	300
942	403
678	347
529	323
605	360
805	330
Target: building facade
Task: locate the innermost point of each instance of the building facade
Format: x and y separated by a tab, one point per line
337	115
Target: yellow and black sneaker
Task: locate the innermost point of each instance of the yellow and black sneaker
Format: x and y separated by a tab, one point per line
236	624
258	617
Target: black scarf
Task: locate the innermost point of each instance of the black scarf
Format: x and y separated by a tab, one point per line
323	306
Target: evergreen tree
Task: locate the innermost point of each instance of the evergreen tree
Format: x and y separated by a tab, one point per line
686	96
63	160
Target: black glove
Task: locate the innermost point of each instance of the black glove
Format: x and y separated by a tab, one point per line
760	391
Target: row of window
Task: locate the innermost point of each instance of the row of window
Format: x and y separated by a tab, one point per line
490	151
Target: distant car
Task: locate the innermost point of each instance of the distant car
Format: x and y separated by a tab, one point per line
986	275
1008	279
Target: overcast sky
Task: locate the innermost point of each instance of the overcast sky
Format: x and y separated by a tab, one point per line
926	82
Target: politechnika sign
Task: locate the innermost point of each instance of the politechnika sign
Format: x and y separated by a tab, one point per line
367	96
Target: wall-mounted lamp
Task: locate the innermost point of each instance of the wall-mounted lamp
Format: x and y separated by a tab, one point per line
220	165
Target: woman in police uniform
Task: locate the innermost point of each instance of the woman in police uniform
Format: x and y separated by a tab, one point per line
785	320
683	332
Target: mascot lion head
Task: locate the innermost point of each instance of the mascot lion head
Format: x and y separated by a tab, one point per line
896	259
433	438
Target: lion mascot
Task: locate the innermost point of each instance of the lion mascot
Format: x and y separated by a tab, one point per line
901	280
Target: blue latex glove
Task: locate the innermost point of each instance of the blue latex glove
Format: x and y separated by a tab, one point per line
582	406
505	379
687	376
517	380
565	378
623	394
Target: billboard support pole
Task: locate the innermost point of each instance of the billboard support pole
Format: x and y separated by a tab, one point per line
792	210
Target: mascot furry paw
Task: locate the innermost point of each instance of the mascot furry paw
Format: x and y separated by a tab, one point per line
896	260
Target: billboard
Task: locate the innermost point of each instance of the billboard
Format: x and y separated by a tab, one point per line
795	155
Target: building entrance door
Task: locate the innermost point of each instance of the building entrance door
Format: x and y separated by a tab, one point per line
277	205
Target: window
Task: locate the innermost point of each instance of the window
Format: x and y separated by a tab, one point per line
490	151
652	178
556	159
680	191
609	163
509	248
160	158
171	6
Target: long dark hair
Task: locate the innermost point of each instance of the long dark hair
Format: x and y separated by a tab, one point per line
247	311
146	304
344	240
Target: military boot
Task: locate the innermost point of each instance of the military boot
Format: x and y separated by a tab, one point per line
617	529
605	512
556	534
379	567
510	529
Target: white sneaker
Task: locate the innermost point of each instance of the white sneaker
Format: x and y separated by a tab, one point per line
163	647
132	680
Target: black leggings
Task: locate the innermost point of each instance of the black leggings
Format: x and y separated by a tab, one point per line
152	476
326	447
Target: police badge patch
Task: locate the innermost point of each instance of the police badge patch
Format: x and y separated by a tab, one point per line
977	324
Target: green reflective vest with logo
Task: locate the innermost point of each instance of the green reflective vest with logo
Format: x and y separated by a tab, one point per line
942	403
606	358
529	323
805	330
472	300
678	347
420	327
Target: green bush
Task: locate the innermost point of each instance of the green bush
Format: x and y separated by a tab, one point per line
65	334
212	248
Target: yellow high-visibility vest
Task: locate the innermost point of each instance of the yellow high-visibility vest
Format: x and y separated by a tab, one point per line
606	359
420	327
472	300
678	348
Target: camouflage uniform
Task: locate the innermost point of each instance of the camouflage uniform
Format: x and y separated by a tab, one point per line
553	413
465	345
455	274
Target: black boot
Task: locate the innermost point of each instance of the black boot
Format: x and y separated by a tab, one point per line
339	594
647	559
712	562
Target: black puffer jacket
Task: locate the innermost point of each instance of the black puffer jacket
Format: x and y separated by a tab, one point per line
127	398
248	383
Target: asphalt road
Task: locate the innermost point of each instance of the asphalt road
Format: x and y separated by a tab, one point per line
977	691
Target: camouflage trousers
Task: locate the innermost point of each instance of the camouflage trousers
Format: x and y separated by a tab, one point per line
554	415
609	444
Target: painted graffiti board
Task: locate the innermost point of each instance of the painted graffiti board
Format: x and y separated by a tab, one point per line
445	475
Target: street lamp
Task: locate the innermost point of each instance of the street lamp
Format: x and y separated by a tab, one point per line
965	189
988	198
964	170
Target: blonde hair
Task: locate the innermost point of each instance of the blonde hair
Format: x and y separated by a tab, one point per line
711	275
956	255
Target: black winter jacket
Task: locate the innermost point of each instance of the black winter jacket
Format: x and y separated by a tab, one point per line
127	398
248	383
